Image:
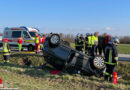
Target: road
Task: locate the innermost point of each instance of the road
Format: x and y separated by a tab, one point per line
124	57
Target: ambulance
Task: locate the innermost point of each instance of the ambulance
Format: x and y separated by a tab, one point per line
27	33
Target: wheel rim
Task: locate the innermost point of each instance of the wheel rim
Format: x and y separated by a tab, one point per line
54	39
99	61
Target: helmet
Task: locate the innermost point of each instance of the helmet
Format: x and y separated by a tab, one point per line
5	40
115	40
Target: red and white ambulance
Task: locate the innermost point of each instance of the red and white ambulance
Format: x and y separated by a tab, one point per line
28	34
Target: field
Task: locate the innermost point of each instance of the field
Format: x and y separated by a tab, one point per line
122	48
17	75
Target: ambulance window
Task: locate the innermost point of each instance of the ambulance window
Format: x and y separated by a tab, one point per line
16	34
25	35
33	34
7	34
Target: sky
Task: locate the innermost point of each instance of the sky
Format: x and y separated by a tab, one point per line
68	16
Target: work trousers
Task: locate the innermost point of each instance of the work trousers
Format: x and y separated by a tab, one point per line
20	46
101	50
109	70
94	50
37	47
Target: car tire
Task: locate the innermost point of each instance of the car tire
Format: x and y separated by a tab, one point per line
54	40
30	48
98	62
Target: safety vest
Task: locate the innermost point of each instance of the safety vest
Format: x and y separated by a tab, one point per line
91	40
37	40
95	40
5	49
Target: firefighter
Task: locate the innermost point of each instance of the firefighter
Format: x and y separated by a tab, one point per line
77	46
87	43
20	40
43	40
37	43
111	58
95	43
79	42
6	51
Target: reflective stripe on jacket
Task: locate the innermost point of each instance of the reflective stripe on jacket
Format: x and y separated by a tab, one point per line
5	49
111	54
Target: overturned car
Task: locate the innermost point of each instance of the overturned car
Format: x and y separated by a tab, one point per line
60	55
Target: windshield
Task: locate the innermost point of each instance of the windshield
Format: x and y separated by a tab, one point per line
33	34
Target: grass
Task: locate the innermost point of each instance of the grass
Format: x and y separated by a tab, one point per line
17	75
26	78
122	48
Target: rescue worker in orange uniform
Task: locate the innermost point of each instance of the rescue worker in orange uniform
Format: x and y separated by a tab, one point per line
37	43
6	51
111	58
20	41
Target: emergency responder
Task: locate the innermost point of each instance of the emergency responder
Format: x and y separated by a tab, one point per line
101	44
77	46
79	42
6	51
20	41
95	43
107	38
90	44
87	43
43	40
40	40
37	43
111	58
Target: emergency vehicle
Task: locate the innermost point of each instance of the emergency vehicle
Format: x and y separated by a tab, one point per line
27	33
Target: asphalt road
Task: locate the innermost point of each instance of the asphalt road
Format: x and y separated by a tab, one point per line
124	57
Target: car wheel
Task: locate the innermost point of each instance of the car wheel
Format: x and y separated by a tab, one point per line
98	62
30	48
54	39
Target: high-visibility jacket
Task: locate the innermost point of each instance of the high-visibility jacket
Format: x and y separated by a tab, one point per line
111	54
5	48
20	40
91	40
36	40
95	40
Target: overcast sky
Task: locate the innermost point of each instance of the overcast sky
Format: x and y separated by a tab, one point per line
68	16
